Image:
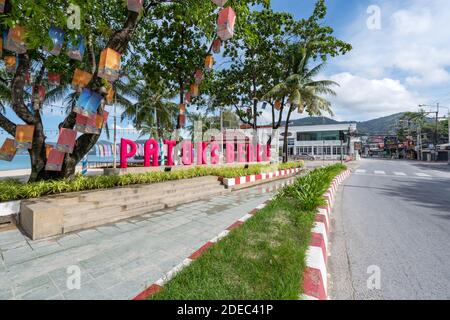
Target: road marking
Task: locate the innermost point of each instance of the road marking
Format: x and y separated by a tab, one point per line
380	172
400	173
360	171
422	175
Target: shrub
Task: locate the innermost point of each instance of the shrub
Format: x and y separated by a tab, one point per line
11	189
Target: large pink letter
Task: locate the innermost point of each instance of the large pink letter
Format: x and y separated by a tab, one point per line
187	153
230	152
151	151
204	155
241	152
250	153
124	154
170	144
214	156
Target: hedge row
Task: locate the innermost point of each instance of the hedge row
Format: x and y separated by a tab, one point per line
15	190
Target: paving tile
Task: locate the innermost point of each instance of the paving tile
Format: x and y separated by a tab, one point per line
18	255
40	293
87	291
23	287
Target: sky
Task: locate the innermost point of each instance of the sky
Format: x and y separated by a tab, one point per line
395	65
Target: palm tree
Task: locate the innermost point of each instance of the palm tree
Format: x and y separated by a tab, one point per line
154	112
300	89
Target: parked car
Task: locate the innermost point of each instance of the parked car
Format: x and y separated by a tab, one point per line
304	156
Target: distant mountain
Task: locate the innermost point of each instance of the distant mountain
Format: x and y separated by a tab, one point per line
380	126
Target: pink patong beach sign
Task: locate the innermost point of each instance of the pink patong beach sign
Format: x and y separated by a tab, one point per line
206	153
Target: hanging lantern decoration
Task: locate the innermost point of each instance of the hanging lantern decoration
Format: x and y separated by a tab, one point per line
109	65
249	112
57	37
85	124
198	76
88	103
278	104
10	63
135	5
187	97
80	79
209	62
217	43
48	148
220	3
2	6
100	120
8	150
24	136
38	94
27	77
194	90
66	140
54	78
225	23
15	41
75	50
55	160
264	105
182	108
181	120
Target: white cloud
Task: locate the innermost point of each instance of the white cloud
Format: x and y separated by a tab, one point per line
360	98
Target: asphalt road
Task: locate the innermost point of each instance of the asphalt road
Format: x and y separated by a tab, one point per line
392	217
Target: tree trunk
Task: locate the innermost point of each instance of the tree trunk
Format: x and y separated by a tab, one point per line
118	42
285	138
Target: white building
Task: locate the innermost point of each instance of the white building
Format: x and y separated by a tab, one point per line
321	141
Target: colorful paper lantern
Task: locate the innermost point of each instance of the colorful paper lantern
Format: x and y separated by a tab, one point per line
181	120
109	65
88	103
182	108
54	78
10	63
8	150
100	120
220	3
57	37
187	97
217	43
66	140
81	79
2	6
75	50
38	96
85	124
135	5
209	62
278	104
24	136
194	90
15	41
55	160
198	76
225	23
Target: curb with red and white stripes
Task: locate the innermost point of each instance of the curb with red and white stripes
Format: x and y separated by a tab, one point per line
315	283
231	182
316	263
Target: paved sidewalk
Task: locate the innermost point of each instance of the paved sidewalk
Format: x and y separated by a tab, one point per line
120	260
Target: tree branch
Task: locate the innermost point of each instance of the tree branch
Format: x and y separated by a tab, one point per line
7	125
17	88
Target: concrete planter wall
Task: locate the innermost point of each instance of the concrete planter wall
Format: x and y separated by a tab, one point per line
9	208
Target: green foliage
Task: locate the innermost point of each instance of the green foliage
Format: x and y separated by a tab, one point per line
262	260
15	190
306	192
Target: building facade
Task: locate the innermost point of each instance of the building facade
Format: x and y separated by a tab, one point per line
321	141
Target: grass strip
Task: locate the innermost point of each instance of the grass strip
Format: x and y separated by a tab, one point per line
265	257
14	190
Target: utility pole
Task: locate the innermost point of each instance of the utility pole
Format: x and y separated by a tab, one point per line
436	131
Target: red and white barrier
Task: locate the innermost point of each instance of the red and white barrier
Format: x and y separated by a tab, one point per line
315	284
231	182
